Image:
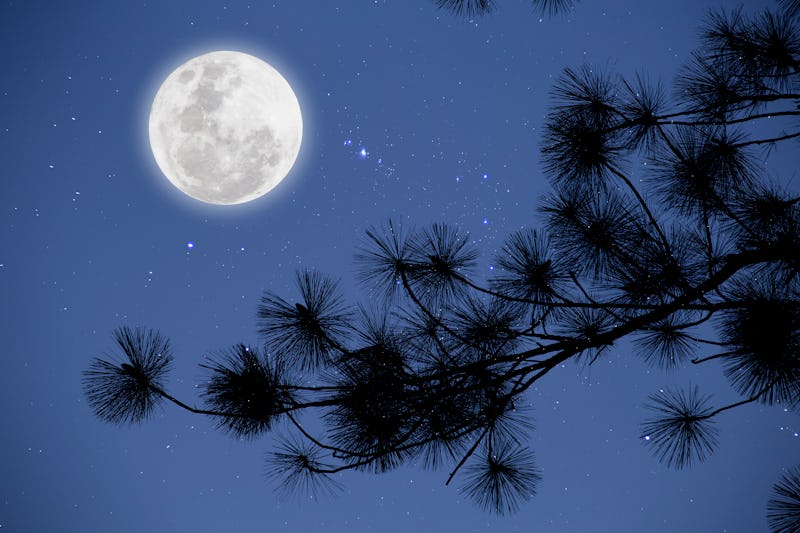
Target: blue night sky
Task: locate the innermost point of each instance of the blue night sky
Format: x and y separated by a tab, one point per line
448	113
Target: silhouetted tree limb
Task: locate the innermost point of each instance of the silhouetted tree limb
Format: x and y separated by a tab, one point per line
126	392
695	256
783	509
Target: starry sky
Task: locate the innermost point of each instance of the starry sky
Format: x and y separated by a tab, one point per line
409	113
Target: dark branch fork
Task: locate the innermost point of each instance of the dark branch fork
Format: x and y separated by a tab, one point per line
563	350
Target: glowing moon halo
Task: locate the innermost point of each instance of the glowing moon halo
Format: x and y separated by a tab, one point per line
225	127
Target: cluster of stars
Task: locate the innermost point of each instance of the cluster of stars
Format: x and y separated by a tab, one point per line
361	153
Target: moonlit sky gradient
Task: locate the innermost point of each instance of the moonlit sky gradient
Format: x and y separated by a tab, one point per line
409	113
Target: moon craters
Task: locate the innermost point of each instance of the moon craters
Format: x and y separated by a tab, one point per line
186	76
225	127
191	118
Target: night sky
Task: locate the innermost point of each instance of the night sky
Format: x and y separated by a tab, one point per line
409	113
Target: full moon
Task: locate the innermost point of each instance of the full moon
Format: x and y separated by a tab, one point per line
225	127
